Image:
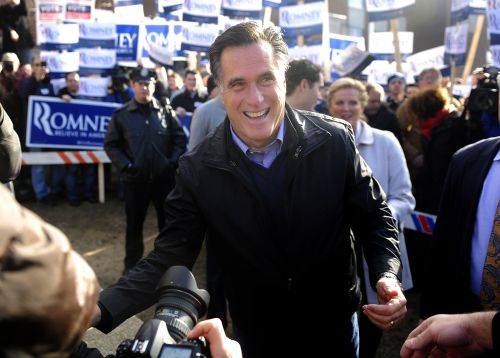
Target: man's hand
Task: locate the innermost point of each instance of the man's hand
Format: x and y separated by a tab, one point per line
66	98
14	36
460	335
220	345
181	112
391	307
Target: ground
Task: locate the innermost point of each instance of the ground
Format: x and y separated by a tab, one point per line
97	232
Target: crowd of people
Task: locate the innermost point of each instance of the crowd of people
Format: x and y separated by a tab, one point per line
293	183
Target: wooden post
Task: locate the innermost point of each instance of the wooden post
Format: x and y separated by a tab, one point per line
326	44
267	16
300	38
473	47
395	41
100	181
453	75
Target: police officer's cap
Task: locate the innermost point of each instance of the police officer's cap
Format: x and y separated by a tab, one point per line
141	74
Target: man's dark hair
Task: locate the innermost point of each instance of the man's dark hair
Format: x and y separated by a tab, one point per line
299	70
190	72
243	34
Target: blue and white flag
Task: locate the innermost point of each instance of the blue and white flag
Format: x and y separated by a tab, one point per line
242	8
60	63
381	44
79	124
455	44
127	42
198	38
379	10
433	57
96	61
306	19
97	34
203	11
58	36
94	86
459	10
271	3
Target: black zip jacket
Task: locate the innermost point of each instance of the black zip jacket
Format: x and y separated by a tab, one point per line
270	284
144	147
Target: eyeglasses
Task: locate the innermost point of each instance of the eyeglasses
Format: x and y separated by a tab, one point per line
40	64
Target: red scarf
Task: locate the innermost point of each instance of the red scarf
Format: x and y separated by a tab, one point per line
428	124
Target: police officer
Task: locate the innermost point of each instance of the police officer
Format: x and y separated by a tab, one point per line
144	141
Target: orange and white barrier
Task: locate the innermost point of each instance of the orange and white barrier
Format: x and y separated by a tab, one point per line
98	157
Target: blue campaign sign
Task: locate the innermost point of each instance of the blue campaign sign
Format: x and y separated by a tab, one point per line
79	124
186	122
127	42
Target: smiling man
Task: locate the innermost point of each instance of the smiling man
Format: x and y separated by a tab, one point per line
279	194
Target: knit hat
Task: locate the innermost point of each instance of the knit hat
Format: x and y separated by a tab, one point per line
396	76
10	57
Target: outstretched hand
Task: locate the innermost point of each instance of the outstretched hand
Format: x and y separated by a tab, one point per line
391	307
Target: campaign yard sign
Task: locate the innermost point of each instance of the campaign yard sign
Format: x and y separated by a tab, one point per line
79	124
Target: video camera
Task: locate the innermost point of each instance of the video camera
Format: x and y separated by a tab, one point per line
484	98
180	303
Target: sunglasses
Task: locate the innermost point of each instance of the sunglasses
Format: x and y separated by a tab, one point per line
41	64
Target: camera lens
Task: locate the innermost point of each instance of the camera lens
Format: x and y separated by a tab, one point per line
8	66
180	301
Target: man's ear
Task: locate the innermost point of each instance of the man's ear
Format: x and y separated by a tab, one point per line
304	84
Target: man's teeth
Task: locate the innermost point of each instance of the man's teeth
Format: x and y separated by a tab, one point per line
255	114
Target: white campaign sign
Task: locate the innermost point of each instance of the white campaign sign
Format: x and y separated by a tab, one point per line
61	62
386	5
56	33
94	86
433	57
242	5
382	42
457	5
312	53
97	58
494	19
455	40
302	15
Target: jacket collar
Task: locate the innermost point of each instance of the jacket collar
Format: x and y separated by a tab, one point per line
133	105
299	131
364	134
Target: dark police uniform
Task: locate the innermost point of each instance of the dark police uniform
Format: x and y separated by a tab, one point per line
144	141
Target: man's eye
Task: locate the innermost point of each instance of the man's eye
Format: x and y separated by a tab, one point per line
268	79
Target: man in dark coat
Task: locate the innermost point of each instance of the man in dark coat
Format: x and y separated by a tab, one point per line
144	141
280	194
458	246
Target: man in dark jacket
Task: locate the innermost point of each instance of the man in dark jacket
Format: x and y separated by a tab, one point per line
280	194
144	141
463	230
